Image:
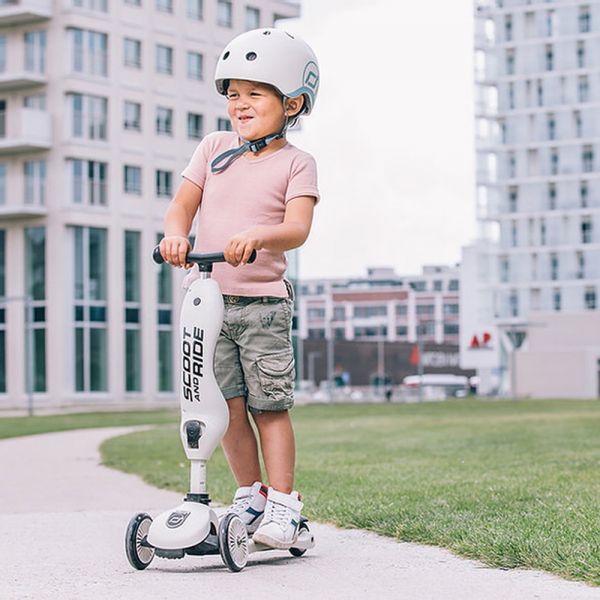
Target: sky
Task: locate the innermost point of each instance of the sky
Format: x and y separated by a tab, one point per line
392	133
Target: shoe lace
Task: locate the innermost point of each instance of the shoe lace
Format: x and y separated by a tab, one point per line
240	504
277	513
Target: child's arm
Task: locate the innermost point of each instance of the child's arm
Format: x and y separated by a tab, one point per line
292	233
178	221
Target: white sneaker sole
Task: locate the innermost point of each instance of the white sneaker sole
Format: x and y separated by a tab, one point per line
267	540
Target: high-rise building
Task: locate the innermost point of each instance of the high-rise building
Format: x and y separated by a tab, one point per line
537	68
101	105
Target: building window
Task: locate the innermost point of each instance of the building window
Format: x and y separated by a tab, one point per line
370	311
512	165
585	19
164	120
194	126
551	28
580	265
35	52
88	182
425	309
223	124
133	307
401	310
194	65
360	332
583	194
224	13
540	92
513	301
35	101
549	57
339	313
316	334
578	123
164	183
556	299
511	95
553	267
94	5
551	196
586	230
513	197
89	116
2	184
164	59
132	180
510	61
418	286
580	55
133	2
451	309
165	6
583	88
89	51
551	124
508	28
35	274
132	53
402	331
587	159
514	234
2	53
195	9
90	309
315	314
164	319
453	285
34	172
590	298
542	232
437	285
504	269
132	116
252	18
451	329
554	161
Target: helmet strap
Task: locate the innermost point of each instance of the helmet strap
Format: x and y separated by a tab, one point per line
221	162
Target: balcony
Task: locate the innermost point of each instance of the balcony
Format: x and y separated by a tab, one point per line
24	130
21	80
21	211
17	12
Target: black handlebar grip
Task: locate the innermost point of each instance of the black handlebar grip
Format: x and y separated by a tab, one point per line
252	257
157	256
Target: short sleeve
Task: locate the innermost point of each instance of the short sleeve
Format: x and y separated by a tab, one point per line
197	167
303	178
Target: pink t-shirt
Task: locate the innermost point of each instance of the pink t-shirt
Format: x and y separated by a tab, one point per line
248	193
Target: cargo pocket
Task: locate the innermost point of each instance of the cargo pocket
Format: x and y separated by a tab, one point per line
276	374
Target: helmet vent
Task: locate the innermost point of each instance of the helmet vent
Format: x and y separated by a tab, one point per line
266	32
251	56
290	35
226	55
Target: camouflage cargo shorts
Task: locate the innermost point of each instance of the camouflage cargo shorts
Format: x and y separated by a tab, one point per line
254	356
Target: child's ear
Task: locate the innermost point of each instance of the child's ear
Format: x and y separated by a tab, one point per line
294	105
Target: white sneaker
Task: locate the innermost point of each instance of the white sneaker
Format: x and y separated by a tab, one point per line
249	504
279	526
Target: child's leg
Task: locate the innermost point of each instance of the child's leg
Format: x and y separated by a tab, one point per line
239	444
278	448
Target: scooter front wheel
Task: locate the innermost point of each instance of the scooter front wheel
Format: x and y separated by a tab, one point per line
233	542
138	553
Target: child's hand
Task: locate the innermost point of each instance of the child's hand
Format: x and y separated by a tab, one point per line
174	249
240	246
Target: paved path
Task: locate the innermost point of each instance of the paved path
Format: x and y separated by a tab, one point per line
63	518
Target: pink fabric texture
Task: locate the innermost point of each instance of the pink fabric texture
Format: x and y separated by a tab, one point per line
248	193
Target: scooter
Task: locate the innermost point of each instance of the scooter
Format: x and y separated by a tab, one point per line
193	527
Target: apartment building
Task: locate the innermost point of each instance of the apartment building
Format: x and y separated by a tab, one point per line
102	103
537	70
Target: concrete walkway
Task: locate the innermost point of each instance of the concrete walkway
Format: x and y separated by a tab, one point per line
63	518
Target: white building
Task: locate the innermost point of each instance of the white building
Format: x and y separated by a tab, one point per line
101	105
383	305
538	168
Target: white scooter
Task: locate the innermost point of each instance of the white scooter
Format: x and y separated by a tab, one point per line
193	527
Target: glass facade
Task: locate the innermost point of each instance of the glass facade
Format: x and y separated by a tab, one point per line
133	346
165	327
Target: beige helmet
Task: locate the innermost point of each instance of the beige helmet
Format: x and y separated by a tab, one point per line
271	56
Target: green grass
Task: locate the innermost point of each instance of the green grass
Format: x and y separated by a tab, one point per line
515	484
17	426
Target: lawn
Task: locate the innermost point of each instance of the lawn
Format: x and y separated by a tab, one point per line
512	483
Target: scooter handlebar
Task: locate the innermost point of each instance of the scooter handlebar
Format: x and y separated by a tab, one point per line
200	259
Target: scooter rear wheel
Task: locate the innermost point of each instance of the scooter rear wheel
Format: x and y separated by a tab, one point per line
297	551
233	542
138	554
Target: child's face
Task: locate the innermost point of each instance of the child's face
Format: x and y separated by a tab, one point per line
255	110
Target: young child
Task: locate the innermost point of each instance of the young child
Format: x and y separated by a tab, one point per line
254	191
